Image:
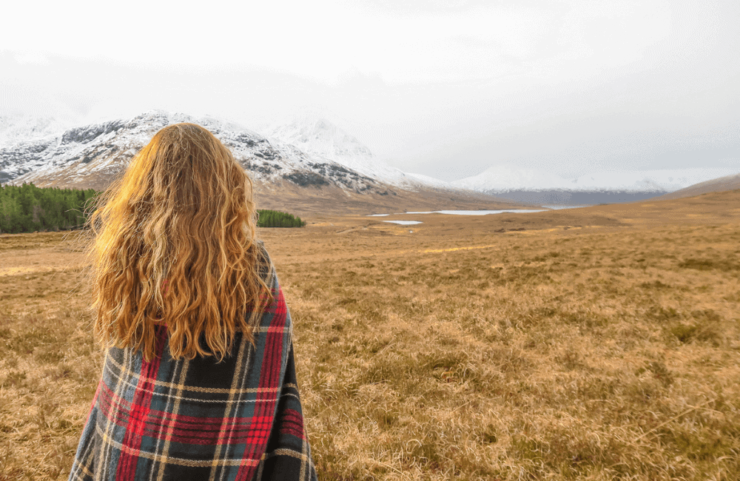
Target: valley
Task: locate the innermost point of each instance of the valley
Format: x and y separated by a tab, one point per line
589	343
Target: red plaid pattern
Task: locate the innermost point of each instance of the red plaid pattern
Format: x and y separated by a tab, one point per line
240	419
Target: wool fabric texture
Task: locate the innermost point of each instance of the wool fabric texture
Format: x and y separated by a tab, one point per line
167	419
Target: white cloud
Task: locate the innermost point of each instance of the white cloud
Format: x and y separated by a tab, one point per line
443	87
322	39
36	58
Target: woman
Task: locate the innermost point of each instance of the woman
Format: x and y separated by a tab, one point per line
199	378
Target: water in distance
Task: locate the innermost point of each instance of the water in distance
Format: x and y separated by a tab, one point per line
403	222
560	207
479	212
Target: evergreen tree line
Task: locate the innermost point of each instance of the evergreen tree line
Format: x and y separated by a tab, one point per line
28	208
275	218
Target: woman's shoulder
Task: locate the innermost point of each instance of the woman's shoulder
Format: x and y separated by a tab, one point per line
266	268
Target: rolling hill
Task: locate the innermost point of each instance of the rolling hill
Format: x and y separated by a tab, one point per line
729	182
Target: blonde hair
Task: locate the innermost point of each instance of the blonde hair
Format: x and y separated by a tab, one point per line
175	245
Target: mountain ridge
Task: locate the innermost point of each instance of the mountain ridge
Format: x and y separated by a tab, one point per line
92	156
319	137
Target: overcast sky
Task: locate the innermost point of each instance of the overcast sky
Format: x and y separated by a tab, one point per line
445	88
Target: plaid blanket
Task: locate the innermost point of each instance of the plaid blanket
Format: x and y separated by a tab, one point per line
239	419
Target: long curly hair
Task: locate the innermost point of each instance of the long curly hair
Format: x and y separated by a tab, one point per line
175	245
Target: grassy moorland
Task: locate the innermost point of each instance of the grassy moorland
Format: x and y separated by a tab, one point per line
596	343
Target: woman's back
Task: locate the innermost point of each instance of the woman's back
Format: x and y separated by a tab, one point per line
240	418
199	379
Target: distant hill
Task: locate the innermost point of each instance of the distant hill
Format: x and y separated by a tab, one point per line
541	187
730	182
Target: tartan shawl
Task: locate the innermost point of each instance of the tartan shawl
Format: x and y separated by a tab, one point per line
239	419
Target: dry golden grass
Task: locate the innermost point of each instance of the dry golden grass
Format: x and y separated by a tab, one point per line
601	343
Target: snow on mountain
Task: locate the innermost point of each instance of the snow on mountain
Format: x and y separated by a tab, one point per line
431	181
17	128
320	138
306	152
94	155
505	178
502	179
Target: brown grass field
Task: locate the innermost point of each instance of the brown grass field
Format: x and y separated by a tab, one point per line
598	343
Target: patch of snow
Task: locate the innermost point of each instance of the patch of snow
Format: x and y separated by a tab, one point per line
17	128
430	181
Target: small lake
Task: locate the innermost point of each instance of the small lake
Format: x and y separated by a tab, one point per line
561	207
465	212
483	212
403	222
480	212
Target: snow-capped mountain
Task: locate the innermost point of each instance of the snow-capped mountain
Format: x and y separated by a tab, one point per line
95	154
532	185
320	138
285	175
304	152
